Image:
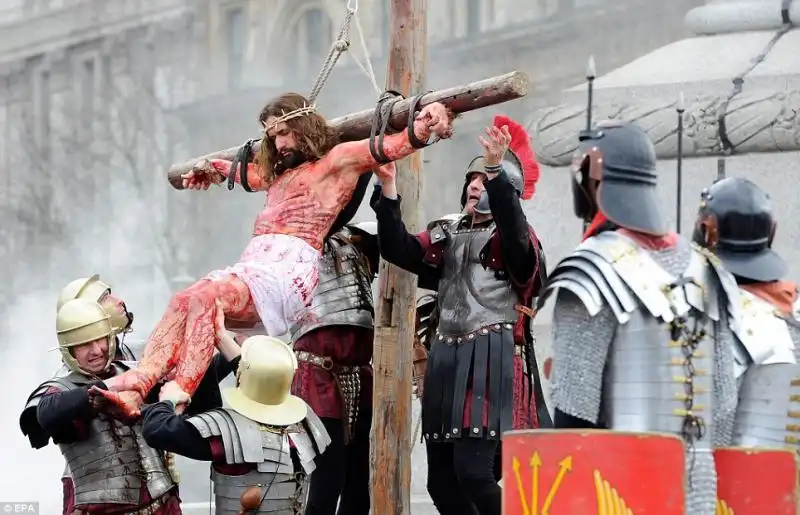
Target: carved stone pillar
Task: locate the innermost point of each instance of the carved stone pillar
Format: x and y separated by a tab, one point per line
742	67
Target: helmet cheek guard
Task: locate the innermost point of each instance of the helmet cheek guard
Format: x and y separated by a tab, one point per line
587	164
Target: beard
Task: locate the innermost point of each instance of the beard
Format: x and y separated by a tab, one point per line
288	160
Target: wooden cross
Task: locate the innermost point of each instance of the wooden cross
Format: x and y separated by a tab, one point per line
390	439
357	126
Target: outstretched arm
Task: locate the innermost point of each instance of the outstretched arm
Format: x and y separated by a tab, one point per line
164	430
516	241
254	179
401	248
355	157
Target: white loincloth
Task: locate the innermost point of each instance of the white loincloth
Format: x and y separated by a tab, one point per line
281	272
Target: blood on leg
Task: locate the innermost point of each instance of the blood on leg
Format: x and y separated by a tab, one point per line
200	334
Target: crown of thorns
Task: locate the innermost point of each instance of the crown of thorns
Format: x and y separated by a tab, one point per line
297	113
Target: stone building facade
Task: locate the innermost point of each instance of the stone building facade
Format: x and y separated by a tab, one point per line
85	89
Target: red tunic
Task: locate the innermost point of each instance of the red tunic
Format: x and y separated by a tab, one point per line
346	346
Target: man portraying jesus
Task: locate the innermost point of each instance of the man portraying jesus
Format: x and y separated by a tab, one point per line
308	177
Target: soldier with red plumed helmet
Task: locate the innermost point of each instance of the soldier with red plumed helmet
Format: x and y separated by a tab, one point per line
487	265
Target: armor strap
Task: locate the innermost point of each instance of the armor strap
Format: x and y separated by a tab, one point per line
325	362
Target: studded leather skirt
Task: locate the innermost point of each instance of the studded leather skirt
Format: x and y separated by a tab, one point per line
469	385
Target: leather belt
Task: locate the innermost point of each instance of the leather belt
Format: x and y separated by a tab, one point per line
324	362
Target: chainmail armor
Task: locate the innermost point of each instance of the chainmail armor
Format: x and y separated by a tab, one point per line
582	344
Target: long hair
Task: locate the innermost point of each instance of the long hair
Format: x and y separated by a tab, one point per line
315	137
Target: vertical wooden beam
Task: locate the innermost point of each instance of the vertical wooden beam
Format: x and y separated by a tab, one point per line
390	439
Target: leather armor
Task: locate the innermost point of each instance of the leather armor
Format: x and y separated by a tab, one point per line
471	296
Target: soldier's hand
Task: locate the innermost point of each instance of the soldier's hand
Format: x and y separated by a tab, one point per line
219	320
386	173
173	393
495	144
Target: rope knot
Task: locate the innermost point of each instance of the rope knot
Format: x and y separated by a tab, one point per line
341	45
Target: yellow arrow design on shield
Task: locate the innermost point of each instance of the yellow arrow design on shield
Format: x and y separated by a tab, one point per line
723	508
536	464
515	464
564	466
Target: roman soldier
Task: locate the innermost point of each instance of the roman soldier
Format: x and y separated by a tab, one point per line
735	221
261	447
333	344
486	262
639	347
94	289
113	470
91	288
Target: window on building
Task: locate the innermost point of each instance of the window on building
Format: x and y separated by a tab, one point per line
235	24
474	15
315	39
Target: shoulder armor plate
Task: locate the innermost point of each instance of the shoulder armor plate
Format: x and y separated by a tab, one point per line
762	330
446	221
611	270
246	441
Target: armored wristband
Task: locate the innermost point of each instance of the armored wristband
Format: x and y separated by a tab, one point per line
493	168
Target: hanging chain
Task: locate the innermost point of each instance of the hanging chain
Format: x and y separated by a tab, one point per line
693	427
339	47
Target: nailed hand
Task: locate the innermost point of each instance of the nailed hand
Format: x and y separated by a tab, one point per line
201	176
438	119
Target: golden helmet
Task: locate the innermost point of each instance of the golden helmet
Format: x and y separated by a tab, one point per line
264	381
93	288
81	321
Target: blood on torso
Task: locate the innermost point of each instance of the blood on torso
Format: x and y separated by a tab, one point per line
304	202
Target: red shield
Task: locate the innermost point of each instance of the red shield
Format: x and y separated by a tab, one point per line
756	481
583	472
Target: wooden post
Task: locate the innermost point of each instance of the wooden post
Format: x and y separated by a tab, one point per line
390	440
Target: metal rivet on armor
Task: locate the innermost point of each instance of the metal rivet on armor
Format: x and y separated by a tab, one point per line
449	339
447	436
475	430
497	327
492	433
433	255
471	336
508	326
484	331
458	340
437	236
435	436
441	338
455	431
445	226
